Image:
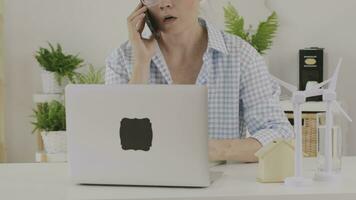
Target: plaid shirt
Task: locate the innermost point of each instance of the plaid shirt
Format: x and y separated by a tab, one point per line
241	94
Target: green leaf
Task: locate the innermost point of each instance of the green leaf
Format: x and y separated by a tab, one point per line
266	31
262	39
49	117
92	76
54	60
234	22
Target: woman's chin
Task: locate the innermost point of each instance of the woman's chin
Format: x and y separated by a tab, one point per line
172	30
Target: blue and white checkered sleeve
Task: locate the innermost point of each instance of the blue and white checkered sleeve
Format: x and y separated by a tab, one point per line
259	95
115	72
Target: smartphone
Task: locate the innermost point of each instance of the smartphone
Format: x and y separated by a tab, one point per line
152	25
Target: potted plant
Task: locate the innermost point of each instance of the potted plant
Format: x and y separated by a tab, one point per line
91	76
58	68
50	121
261	39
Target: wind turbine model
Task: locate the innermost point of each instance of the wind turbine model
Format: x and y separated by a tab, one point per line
299	98
329	96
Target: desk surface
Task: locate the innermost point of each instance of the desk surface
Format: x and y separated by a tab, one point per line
50	181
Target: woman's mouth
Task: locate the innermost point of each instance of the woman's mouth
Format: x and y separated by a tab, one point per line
169	19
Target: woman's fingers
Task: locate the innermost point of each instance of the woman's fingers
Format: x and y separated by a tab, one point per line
139	5
141	24
136	13
137	23
137	17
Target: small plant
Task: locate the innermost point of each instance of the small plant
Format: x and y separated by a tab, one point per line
262	39
49	117
92	76
54	60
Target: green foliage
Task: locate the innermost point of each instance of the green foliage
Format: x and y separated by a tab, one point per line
262	39
234	22
92	76
54	60
49	117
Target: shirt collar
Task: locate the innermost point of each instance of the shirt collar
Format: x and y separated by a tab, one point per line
159	61
216	39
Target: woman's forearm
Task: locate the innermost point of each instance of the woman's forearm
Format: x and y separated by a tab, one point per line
242	150
140	73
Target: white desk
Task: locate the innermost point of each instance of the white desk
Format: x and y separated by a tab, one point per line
50	181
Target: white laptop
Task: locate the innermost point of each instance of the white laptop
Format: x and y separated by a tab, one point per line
149	135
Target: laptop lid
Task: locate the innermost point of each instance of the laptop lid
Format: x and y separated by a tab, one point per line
154	135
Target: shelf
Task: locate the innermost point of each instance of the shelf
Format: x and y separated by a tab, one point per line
311	106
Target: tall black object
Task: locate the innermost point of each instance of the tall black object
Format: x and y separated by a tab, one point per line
311	63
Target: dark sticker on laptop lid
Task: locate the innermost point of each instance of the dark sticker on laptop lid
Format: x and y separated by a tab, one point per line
136	134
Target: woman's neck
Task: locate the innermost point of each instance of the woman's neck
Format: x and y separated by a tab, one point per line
186	42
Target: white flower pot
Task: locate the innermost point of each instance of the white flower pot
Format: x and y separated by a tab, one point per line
50	84
54	141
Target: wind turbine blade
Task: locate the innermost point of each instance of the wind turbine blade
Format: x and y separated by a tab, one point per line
338	106
322	84
335	76
288	86
313	92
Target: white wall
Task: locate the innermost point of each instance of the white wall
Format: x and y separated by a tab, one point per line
95	27
91	27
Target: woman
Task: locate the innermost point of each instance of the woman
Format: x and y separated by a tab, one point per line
191	51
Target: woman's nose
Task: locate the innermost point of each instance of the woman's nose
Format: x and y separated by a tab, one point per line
165	4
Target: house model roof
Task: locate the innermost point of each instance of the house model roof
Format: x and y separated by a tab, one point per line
266	149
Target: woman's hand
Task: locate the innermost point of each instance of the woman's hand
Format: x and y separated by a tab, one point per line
242	150
143	49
